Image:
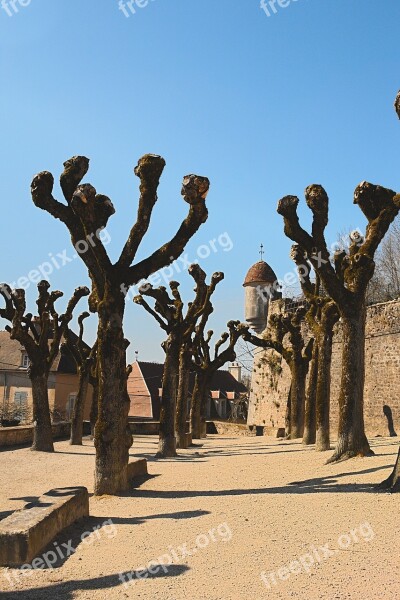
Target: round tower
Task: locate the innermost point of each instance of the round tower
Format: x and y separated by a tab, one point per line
260	287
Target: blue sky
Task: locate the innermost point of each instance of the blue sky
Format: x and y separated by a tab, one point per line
262	105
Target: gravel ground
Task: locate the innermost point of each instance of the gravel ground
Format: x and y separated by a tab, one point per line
224	514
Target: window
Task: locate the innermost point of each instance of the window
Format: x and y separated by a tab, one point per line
25	362
20	404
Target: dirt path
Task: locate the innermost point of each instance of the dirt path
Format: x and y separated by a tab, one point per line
223	517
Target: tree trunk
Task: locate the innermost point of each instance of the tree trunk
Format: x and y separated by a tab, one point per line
297	397
309	434
392	483
79	406
95	407
206	394
181	413
167	440
42	431
112	435
199	407
323	388
287	413
352	440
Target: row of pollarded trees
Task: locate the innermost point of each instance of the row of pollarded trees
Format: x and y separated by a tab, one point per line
44	337
345	278
187	350
85	214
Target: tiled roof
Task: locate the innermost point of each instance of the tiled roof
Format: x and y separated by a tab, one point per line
222	381
11	356
260	272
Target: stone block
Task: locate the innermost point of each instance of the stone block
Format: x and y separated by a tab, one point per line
137	468
25	533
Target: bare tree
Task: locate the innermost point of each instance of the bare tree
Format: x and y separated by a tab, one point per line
205	367
392	483
86	214
346	283
41	338
310	406
169	314
84	358
284	335
321	318
94	382
385	284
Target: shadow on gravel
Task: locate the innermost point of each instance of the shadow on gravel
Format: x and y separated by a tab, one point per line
67	590
90	530
328	484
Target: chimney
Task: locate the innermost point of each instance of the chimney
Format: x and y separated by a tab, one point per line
236	371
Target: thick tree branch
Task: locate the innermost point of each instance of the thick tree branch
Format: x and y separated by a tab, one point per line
142	302
42	196
194	191
149	171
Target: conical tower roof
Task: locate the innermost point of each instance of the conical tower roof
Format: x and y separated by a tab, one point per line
260	272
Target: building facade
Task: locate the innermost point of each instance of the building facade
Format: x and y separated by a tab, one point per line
145	388
16	390
270	382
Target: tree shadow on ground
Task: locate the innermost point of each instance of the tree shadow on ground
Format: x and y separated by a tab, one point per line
75	453
89	530
37	501
215	453
151	458
5	513
326	484
67	590
328	480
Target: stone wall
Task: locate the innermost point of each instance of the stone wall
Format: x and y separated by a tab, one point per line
271	376
19	436
228	428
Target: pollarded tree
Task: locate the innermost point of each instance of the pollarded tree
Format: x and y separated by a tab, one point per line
346	283
205	366
86	214
41	337
284	335
392	483
169	313
94	382
84	358
310	405
321	318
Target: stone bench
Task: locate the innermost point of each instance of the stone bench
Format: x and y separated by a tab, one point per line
25	533
23	434
137	468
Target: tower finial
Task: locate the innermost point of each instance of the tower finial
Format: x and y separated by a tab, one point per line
262	251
